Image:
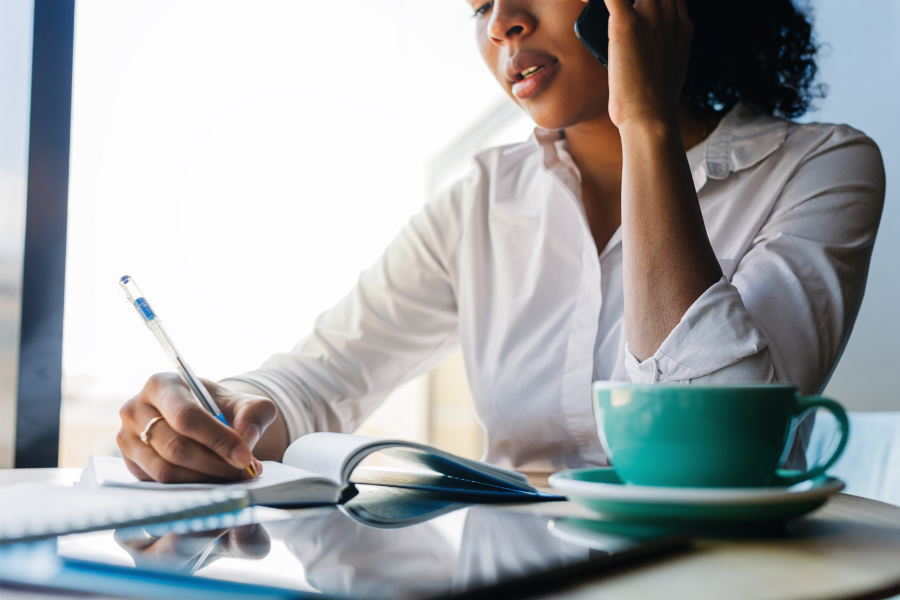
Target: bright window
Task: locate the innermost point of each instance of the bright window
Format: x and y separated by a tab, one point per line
244	162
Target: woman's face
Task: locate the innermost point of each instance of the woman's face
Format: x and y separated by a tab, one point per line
531	48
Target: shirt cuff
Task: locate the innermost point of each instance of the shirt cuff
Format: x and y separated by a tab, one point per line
714	334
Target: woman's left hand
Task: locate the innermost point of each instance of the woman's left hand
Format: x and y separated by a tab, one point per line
649	46
667	256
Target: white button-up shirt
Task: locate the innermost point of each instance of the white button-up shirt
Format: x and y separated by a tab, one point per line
503	264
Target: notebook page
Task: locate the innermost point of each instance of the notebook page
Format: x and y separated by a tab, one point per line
327	453
335	455
112	472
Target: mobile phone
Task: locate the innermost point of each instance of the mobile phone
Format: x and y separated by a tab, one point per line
592	29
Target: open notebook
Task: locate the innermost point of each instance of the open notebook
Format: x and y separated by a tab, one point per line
321	468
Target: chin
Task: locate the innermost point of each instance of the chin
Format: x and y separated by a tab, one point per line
551	121
555	110
562	117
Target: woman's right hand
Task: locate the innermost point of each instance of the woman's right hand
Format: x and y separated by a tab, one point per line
189	444
187	553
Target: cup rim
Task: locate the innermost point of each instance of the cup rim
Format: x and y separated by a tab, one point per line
612	385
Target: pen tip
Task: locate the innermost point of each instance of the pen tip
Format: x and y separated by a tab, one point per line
252	470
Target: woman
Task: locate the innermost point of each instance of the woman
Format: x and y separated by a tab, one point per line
663	225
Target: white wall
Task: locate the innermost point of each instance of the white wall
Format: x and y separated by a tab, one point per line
861	65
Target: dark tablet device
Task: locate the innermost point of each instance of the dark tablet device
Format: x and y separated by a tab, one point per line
386	542
592	28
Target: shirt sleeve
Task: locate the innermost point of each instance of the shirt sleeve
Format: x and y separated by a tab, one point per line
400	320
788	310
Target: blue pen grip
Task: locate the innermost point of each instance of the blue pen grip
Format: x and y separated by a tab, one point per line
221	417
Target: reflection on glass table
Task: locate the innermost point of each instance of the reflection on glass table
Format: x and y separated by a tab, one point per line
186	553
385	543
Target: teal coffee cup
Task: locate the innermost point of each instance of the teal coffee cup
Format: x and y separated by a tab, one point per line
705	436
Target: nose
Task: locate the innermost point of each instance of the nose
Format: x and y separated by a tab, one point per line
509	21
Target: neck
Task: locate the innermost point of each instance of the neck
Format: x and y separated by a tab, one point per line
597	147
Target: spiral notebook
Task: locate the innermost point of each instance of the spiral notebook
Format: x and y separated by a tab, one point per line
33	511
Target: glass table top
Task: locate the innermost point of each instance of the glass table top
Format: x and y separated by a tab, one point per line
384	543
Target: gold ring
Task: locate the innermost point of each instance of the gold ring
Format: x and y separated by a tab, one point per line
145	434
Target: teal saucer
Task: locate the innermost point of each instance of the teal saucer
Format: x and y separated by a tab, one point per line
602	491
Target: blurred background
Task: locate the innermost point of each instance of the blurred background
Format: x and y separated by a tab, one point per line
245	161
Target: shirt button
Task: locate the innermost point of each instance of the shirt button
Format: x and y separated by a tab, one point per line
651	364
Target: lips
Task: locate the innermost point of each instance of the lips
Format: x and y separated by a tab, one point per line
530	72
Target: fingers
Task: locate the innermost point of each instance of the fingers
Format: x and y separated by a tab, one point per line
668	11
237	397
173	400
674	12
186	452
649	47
684	18
189	444
249	541
174	551
618	8
171	552
665	12
133	544
252	417
649	8
646	16
134	469
180	450
147	465
248	413
169	457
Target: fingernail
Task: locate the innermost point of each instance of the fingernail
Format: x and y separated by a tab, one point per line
240	457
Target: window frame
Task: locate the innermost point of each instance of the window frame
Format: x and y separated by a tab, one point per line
39	393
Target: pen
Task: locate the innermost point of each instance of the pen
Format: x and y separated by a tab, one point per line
134	296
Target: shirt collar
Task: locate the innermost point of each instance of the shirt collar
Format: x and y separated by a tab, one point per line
745	136
550	141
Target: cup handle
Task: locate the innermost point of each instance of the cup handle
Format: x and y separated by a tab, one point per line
787	477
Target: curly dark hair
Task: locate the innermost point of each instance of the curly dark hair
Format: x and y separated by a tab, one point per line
761	51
